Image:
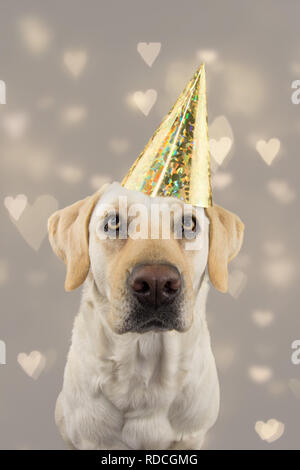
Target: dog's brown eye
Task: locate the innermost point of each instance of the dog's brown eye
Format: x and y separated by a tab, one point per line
112	223
189	224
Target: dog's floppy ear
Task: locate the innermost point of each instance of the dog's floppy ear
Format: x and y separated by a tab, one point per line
68	231
225	240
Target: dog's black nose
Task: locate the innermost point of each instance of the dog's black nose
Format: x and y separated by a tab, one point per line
155	284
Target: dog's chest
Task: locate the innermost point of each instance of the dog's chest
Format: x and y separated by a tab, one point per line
138	379
143	388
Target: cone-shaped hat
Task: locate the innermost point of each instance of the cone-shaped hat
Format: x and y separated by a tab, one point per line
175	162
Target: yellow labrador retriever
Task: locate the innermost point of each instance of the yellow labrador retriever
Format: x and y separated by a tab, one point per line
140	372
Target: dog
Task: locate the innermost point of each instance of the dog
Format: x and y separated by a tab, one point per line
140	372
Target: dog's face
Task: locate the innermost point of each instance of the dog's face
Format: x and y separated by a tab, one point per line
147	255
149	282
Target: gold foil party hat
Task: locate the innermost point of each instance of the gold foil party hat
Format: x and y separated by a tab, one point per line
175	161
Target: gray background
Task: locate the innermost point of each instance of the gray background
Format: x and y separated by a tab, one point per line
256	58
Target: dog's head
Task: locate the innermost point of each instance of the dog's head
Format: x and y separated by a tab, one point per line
149	276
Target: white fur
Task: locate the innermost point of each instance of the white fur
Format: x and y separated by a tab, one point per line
150	391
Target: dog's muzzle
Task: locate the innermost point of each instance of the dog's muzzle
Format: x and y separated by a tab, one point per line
156	290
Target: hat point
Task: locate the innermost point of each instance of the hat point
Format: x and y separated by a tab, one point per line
176	160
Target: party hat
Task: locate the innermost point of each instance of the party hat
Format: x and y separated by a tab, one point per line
175	161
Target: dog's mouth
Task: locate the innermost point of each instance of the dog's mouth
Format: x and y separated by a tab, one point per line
152	325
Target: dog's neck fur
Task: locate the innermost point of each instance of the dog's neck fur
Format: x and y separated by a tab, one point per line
137	383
